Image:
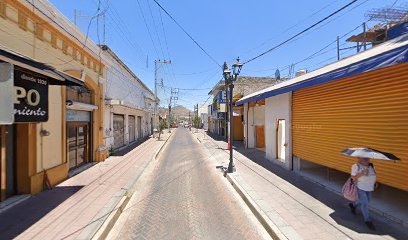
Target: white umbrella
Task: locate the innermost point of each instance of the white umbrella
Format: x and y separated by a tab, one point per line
368	153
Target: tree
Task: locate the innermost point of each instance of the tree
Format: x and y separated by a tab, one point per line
197	122
162	125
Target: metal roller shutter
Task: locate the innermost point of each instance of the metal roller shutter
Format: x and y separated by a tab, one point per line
367	110
139	127
132	128
118	130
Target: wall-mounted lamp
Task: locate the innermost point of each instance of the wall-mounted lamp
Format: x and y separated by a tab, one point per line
44	133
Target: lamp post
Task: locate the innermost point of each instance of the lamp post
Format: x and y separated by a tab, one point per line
230	79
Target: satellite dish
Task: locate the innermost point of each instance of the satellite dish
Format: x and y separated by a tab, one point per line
277	74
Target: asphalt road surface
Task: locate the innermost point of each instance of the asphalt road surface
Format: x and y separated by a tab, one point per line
185	197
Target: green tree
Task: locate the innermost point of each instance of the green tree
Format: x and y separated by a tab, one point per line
197	122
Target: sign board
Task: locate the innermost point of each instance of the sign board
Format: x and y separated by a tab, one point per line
223	107
236	113
222	97
6	93
221	116
78	116
30	97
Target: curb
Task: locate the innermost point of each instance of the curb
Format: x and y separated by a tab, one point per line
121	201
269	226
262	217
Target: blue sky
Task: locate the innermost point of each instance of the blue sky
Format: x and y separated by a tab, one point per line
226	29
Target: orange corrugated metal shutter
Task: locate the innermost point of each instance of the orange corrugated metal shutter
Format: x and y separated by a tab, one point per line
366	110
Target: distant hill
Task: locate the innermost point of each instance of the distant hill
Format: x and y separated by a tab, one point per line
179	111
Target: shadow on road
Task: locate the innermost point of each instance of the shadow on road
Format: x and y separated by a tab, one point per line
19	218
129	148
341	214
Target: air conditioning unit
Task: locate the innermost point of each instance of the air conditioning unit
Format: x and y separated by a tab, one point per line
300	72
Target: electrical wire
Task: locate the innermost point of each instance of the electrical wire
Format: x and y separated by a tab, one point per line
155	29
198	45
84	43
148	29
301	32
295	25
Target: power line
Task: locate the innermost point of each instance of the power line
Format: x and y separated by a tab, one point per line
193	89
174	20
155	28
301	32
122	28
296	24
84	43
167	45
148	29
164	34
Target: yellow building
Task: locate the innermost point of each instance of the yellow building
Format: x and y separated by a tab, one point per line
36	153
359	101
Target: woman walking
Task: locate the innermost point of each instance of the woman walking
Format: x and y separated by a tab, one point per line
363	173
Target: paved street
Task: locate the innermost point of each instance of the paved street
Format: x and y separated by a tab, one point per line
298	208
75	208
185	197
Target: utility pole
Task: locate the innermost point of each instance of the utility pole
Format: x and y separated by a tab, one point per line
197	119
195	116
173	99
75	17
365	36
338	48
189	120
156	68
169	117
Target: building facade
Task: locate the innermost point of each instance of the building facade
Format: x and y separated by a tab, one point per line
38	149
359	101
129	104
218	111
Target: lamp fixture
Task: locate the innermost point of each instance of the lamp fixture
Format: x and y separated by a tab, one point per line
44	133
236	68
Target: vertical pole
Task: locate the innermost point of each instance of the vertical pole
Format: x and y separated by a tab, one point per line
338	48
189	120
155	95
226	113
196	118
75	17
231	165
365	36
168	119
104	28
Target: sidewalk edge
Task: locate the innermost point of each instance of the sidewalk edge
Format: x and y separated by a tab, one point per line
110	221
269	226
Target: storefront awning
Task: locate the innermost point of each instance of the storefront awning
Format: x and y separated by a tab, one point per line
55	77
386	54
73	105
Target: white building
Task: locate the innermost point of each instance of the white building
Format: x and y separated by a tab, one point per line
267	127
129	104
203	114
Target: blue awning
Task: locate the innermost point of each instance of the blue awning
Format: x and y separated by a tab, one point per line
387	54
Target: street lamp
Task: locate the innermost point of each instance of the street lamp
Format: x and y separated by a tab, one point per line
236	69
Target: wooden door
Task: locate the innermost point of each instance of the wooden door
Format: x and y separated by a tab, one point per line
238	129
260	137
77	144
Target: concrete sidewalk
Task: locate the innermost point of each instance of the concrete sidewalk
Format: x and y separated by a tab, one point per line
76	208
293	206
